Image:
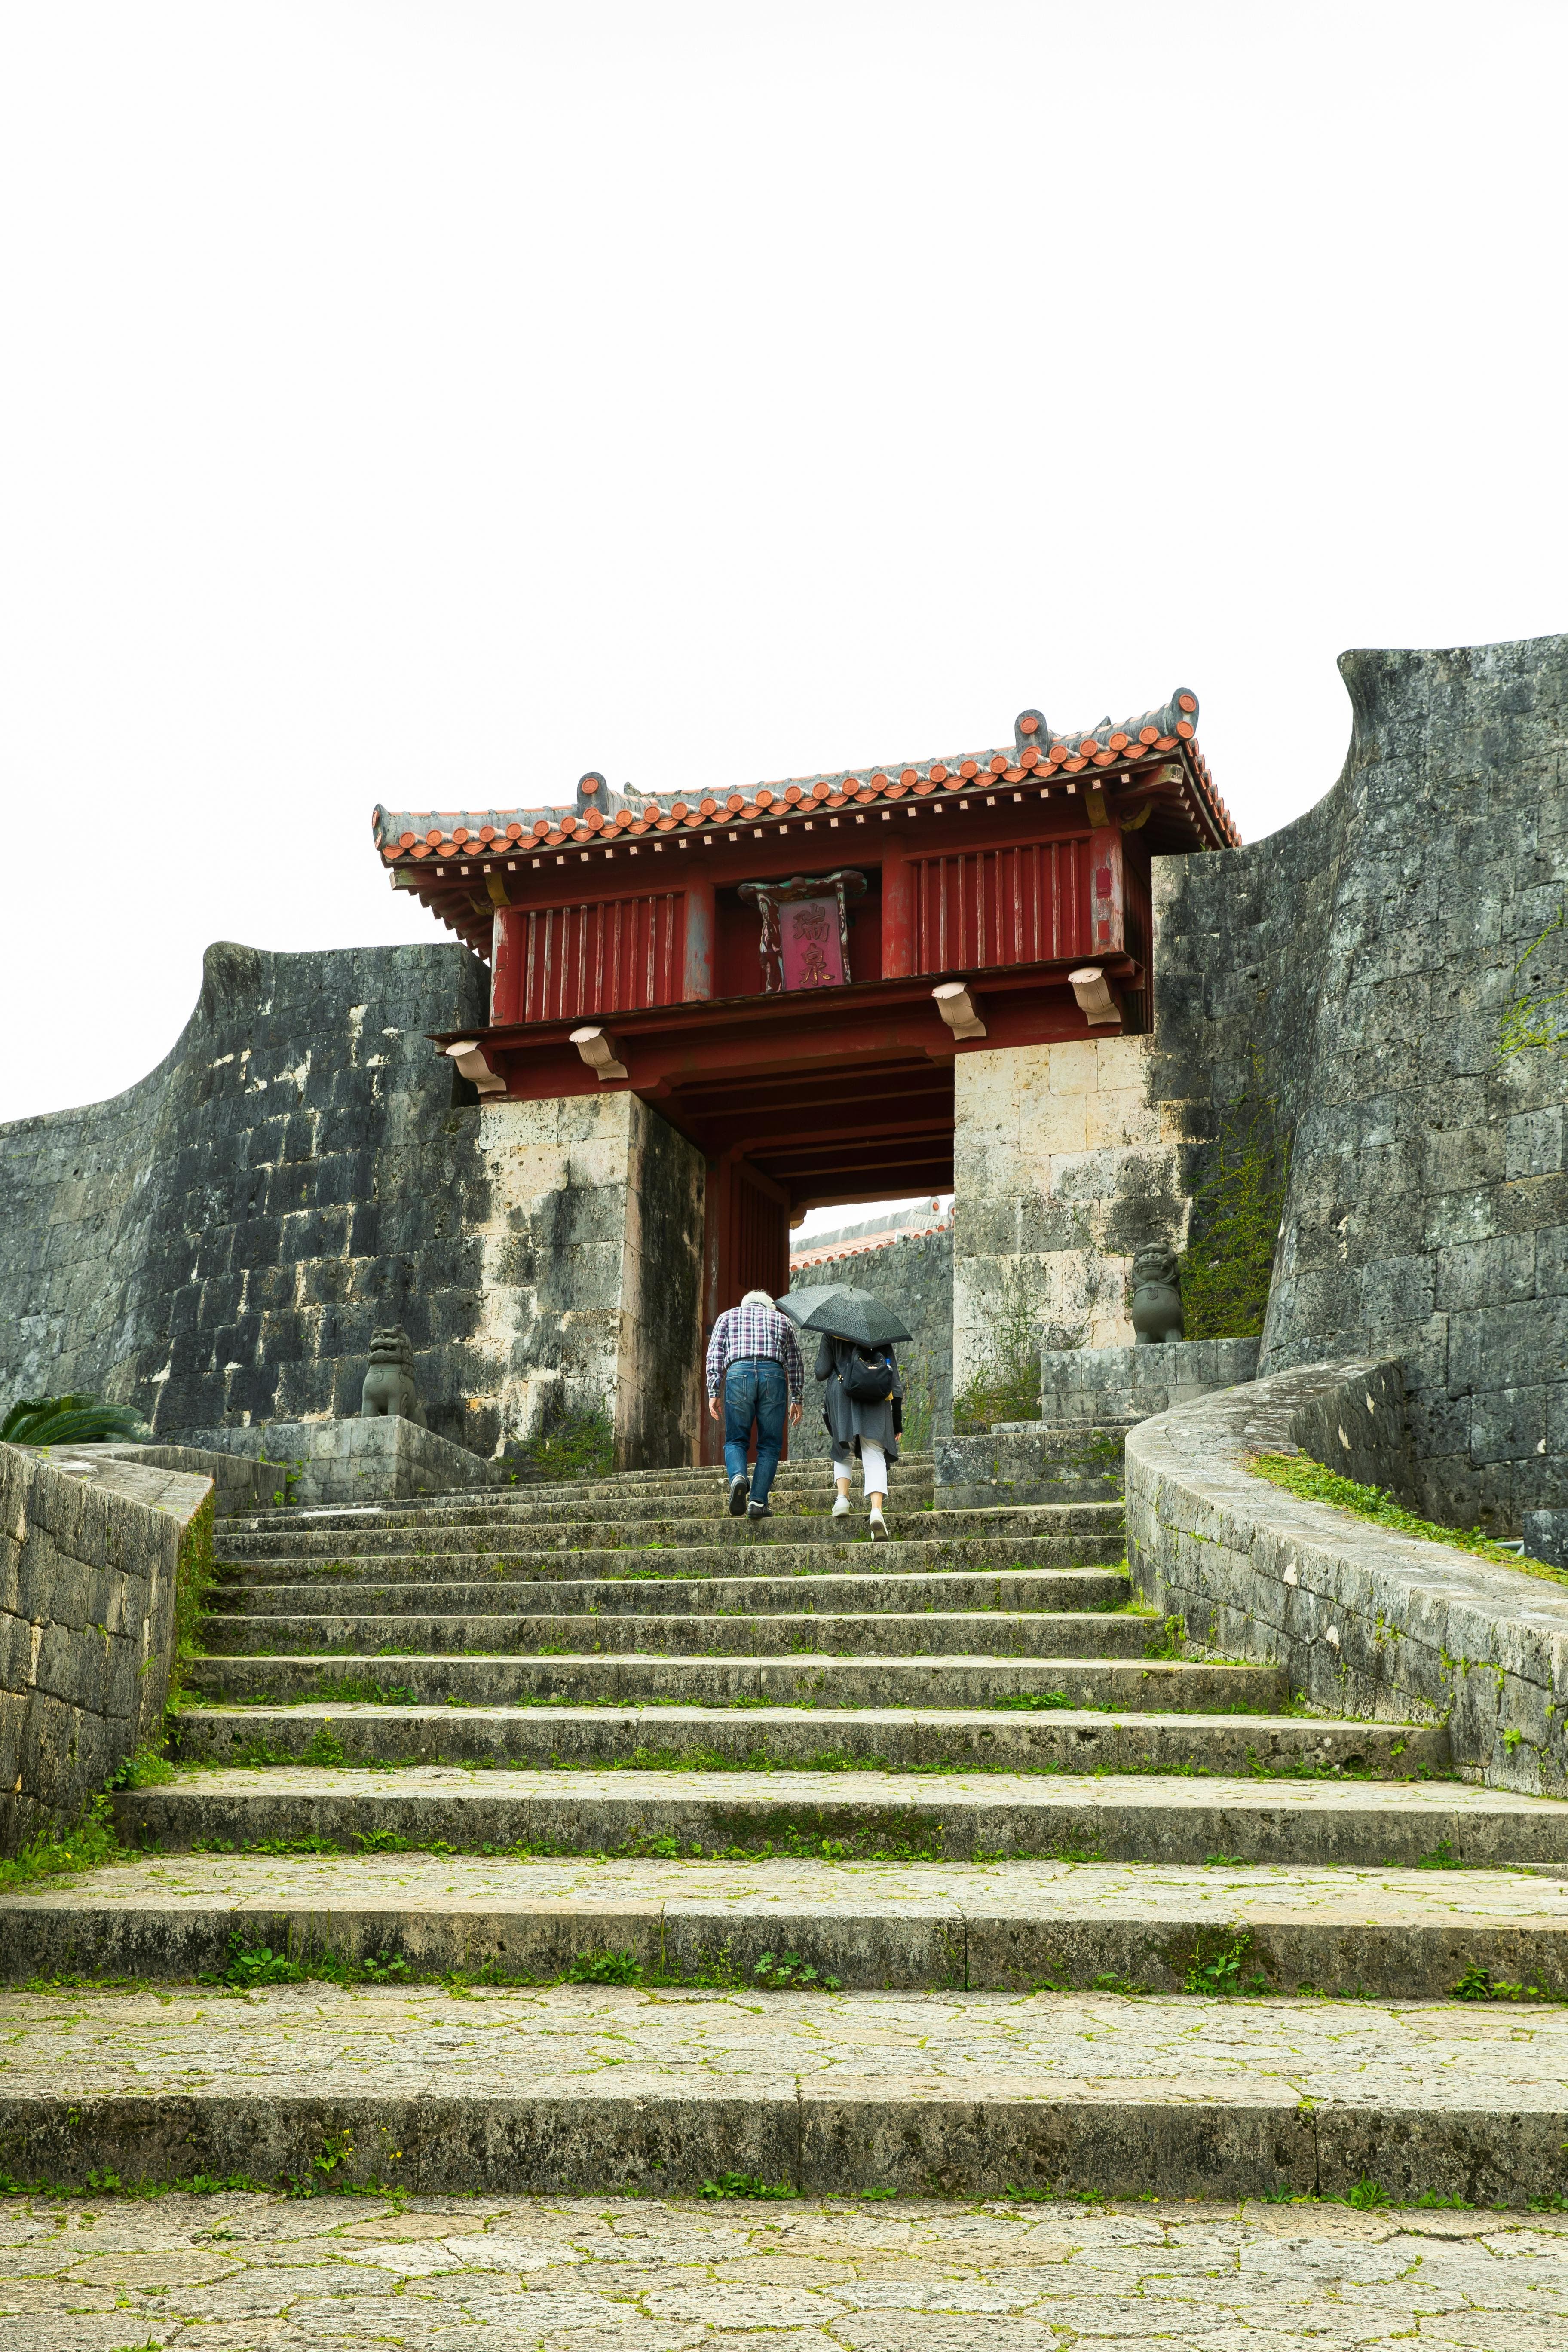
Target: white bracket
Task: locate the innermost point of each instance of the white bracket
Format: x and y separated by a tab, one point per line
959	1009
470	1061
601	1051
1095	1000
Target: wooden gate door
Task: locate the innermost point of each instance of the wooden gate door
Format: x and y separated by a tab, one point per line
747	1248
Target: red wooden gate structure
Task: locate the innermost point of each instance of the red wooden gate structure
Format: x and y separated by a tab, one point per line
624	952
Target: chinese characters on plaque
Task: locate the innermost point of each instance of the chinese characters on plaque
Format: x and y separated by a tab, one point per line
805	930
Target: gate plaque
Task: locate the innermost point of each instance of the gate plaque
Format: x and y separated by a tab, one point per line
805	928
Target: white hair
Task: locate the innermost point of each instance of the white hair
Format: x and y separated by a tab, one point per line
758	1298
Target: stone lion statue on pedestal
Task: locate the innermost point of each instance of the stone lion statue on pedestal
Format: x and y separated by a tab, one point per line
389	1383
1156	1296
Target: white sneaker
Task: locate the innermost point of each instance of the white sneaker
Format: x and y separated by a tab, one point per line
840	1506
878	1528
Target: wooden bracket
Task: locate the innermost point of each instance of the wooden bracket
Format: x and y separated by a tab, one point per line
1095	1003
602	1053
472	1065
959	1009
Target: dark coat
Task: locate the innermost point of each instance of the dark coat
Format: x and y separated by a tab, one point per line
847	1421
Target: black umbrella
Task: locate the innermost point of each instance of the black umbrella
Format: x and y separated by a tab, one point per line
845	1313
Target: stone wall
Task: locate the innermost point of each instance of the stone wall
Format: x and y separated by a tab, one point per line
215	1246
1065	1163
1356	967
88	1573
914	1275
1090	1388
1366	1624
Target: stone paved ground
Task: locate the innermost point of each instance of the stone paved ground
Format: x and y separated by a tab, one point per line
253	2274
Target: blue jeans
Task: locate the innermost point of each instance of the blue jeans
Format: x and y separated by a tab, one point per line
754	1390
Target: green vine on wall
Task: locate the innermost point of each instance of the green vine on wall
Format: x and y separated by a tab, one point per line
1228	1265
1535	1018
1007	1387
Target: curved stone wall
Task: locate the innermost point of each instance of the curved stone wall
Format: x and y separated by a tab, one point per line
1355	967
1366	1624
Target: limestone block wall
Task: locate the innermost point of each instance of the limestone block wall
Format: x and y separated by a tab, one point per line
1359	965
215	1244
1367	1623
1065	1163
1088	1388
87	1574
915	1274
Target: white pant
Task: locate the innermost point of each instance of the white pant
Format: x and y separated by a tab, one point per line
873	1469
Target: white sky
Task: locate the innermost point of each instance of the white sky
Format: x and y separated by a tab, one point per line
429	400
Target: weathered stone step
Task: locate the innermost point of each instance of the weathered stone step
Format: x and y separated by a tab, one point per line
850	1814
649	1593
797	1681
895	1739
1005	1927
487	1539
1034	1633
619	2089
697	1504
909	1478
898	1557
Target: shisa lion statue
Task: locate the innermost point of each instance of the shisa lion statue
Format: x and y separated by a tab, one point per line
389	1383
1156	1296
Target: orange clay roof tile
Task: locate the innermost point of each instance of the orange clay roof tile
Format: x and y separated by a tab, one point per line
419	835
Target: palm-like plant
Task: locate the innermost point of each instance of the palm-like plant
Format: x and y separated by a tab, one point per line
70	1421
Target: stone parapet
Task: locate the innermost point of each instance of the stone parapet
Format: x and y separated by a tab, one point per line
1028	1463
89	1567
1365	1622
359	1461
239	1484
1080	1387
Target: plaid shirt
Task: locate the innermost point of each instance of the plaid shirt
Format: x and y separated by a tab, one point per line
755	1331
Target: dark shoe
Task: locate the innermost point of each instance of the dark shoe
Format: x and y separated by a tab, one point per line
759	1510
739	1490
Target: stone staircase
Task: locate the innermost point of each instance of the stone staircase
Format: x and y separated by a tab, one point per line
994	1863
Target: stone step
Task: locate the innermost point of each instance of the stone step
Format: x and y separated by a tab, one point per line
804	1680
698	1504
894	1740
624	2090
463	1537
911	1476
997	1633
648	1592
900	1557
1013	1928
850	1815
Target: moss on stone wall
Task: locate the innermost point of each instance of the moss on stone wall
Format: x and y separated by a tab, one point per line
577	1441
1314	1482
193	1580
1228	1262
1007	1387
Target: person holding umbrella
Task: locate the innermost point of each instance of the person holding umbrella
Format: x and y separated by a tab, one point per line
863	1406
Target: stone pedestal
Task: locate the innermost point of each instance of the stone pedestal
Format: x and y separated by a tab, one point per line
350	1461
1081	1388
